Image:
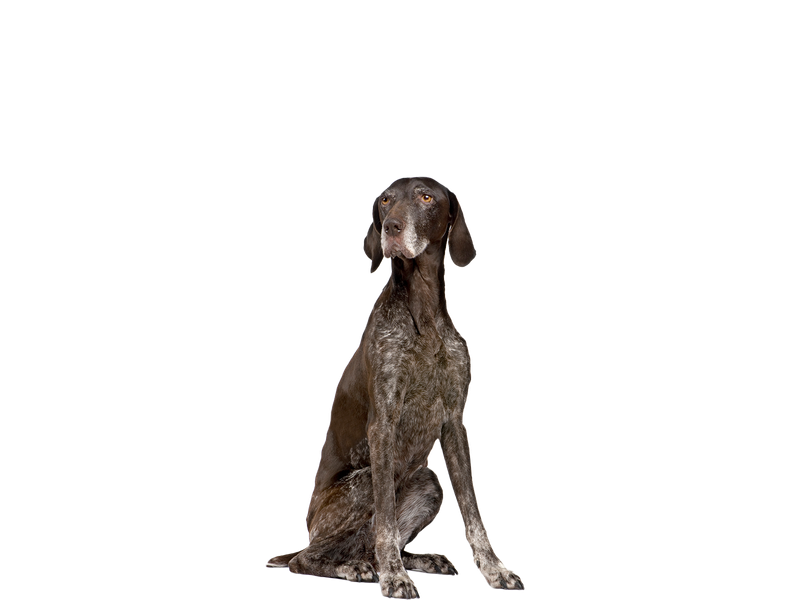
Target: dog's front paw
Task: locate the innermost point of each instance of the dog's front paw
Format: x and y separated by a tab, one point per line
498	576
397	584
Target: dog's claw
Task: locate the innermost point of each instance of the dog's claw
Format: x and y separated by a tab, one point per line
428	563
358	571
510	581
398	585
499	577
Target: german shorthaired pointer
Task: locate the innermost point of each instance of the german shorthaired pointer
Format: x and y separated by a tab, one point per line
404	388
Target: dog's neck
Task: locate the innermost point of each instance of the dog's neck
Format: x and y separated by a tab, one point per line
421	279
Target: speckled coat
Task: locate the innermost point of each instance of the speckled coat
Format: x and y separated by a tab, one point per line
404	388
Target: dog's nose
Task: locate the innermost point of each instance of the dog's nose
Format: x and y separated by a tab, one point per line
393	226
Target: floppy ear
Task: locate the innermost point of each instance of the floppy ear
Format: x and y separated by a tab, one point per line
372	243
462	251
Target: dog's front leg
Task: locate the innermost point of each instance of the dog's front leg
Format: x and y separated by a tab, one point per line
394	580
456	455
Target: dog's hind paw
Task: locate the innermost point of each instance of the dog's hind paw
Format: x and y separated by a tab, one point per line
428	563
357	570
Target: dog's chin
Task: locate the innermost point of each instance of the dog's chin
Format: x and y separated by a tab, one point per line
396	250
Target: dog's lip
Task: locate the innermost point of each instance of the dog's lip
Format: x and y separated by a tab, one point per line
394	249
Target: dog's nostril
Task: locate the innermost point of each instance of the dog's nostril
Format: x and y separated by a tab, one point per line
392	226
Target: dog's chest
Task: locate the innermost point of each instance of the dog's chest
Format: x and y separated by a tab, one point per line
434	386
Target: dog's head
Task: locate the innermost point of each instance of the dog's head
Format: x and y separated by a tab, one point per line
413	213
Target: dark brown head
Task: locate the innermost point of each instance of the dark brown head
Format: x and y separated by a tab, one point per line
413	213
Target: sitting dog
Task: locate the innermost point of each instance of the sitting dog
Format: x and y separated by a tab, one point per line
404	388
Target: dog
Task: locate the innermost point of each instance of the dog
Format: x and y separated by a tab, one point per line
404	388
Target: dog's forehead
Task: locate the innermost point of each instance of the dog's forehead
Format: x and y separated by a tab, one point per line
409	185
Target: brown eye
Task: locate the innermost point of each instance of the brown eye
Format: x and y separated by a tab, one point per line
384	201
426	198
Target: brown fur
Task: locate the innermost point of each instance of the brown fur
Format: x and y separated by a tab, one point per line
404	388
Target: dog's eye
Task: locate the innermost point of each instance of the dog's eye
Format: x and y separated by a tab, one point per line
384	201
426	198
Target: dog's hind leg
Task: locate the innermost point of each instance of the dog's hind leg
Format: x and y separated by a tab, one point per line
342	541
417	505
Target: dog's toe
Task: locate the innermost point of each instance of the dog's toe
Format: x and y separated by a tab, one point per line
357	570
429	563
